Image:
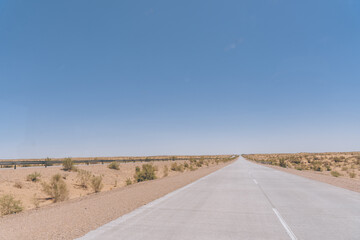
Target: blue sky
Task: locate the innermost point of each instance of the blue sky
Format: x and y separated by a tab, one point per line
104	78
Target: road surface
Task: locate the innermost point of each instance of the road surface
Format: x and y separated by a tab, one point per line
243	201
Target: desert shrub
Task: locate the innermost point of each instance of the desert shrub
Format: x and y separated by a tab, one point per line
166	171
344	169
114	165
199	164
337	159
186	165
68	164
147	173
282	163
128	181
352	174
96	183
335	173
8	205
317	168
192	168
83	178
33	177
176	167
18	185
56	189
137	169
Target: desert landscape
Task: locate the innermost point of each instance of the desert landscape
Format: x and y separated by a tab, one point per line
341	169
31	187
337	164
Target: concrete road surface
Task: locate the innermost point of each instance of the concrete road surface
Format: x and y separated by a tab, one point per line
243	201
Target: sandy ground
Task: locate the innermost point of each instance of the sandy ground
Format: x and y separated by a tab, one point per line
74	218
347	183
32	191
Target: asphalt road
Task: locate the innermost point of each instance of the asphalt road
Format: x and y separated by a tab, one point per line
243	201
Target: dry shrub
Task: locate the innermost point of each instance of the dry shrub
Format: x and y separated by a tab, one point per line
18	185
114	165
176	167
8	205
335	173
166	171
128	181
146	173
83	178
33	177
96	183
352	174
68	164
56	189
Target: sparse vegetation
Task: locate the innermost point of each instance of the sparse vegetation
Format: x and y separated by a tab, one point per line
128	181
114	165
146	173
176	167
56	189
33	177
166	171
18	185
352	174
68	164
96	183
84	178
8	205
335	164
282	163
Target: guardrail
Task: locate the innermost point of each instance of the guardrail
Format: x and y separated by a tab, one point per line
13	164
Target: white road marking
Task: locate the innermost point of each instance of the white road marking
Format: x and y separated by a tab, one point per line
255	181
287	228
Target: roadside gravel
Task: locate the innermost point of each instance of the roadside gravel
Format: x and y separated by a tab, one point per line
74	218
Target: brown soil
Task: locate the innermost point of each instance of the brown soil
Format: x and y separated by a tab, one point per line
74	218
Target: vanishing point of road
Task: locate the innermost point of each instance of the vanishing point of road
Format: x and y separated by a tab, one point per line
243	201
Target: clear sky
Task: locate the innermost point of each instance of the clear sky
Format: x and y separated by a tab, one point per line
104	78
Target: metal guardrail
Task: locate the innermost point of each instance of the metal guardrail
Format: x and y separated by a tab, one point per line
102	161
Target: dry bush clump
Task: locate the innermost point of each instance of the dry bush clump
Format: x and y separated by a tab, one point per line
335	173
114	165
128	181
84	178
8	205
176	167
166	171
146	173
33	177
18	185
68	164
96	183
56	189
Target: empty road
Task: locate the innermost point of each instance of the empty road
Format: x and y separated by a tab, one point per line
243	201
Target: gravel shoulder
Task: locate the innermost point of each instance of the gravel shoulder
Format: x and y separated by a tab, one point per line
76	217
347	183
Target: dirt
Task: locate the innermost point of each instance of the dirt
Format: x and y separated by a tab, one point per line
31	192
76	217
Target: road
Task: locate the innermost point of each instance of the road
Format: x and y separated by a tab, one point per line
243	201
